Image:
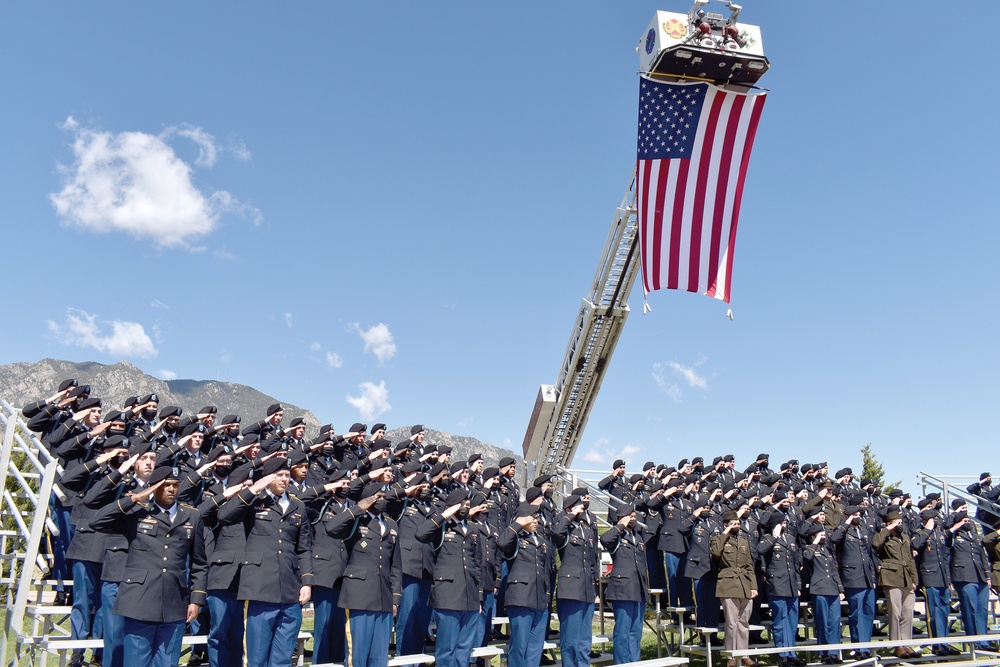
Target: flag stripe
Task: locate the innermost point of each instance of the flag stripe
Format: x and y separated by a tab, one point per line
693	151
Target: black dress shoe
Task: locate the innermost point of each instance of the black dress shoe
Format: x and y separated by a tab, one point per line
61	599
547	659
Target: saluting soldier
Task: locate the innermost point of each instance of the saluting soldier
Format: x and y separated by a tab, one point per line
578	579
628	585
371	589
824	587
164	578
329	562
783	583
417	560
276	571
737	585
933	547
970	571
457	594
528	596
857	572
898	578
701	526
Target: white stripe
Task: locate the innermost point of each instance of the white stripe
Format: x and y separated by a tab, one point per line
722	288
718	141
689	193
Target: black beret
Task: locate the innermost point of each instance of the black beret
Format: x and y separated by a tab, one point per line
661	467
542	479
67	384
638	478
321	438
297	421
114	416
896	493
88	403
437	469
239	475
444	449
161	473
842	472
866	481
380	464
358	427
853	509
581	491
814	510
793	462
170	411
983	476
149	398
116	441
934	496
929	514
80	391
274	407
458	466
783	466
231	419
417	428
618	463
411	467
526	509
775	519
456	497
506	461
250	439
670	470
273	444
490	473
474	458
696	460
378	427
647	465
208	410
274	465
717	460
297	457
381	443
682	463
130	401
762	456
956	503
430	449
728	458
371	490
220	450
191	429
401	446
570	501
325	428
338	474
138	447
624	509
814	529
532	494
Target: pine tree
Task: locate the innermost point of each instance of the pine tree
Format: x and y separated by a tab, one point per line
872	469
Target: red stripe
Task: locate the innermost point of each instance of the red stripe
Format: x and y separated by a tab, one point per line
738	197
708	139
642	188
725	162
677	221
661	186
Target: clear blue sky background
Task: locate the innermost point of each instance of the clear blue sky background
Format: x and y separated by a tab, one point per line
449	171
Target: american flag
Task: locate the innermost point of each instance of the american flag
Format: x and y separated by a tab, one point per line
693	150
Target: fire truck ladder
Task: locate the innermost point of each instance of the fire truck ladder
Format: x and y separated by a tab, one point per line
561	410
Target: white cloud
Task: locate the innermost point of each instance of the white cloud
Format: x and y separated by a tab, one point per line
315	346
159	304
288	320
134	182
378	340
223	255
373	401
334	360
604	454
238	148
167	375
670	376
226	356
126	339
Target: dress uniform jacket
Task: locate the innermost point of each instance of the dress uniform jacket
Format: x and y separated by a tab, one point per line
933	558
373	576
87	544
163	572
529	559
672	514
615	485
992	545
628	580
823	574
108	488
224	546
857	558
277	561
329	555
579	574
699	555
416	557
782	565
736	565
969	562
897	570
459	555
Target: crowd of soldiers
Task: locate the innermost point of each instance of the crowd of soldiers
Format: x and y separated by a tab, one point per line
720	539
170	523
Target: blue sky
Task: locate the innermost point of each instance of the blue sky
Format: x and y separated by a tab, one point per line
394	209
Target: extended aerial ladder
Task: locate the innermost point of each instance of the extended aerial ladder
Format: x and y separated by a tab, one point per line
697	46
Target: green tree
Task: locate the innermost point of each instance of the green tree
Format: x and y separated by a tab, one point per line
871	468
